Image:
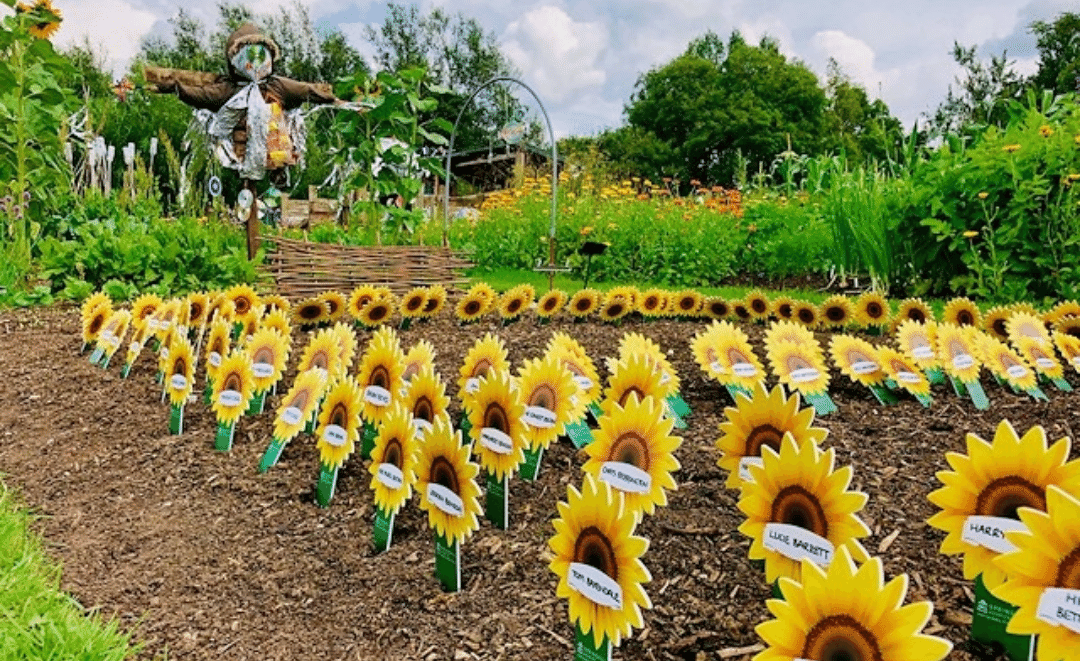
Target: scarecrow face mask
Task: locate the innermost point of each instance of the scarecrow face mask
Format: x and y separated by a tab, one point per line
254	62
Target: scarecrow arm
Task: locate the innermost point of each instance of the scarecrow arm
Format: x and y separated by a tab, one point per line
195	88
294	93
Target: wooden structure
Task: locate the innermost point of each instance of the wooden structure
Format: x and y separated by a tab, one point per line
497	168
307	213
302	269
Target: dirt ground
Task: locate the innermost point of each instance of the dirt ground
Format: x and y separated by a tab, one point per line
203	558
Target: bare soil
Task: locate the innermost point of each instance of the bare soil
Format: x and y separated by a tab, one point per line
203	558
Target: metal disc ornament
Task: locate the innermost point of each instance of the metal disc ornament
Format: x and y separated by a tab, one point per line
243	203
214	186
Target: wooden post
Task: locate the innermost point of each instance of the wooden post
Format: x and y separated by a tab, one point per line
252	220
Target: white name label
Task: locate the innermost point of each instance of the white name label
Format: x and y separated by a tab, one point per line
583	383
1017	372
215	359
445	499
594	585
1076	361
744	369
136	347
291	415
178	382
1044	363
421	427
262	370
962	361
496	441
907	377
1060	607
377	396
230	398
538	416
804	374
390	476
989	532
335	435
717	367
744	467
922	352
164	353
797	543
472	385
864	367
625	477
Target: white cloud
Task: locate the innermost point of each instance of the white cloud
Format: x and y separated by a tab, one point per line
855	57
114	28
556	54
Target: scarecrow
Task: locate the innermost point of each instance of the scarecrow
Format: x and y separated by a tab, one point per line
251	116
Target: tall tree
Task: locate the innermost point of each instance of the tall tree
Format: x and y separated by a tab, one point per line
980	96
853	124
1059	53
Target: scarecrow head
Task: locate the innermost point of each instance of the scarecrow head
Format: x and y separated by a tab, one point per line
251	54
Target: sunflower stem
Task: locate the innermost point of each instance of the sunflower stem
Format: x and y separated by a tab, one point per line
272	454
585	648
497	508
324	489
448	563
530	469
990	617
383	530
223	439
176	419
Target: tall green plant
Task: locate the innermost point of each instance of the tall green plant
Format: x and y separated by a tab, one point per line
856	207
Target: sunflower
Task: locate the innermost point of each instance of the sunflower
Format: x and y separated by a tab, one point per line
735	361
233	387
913	309
322	352
435	301
787	331
243	298
470	308
547	390
310	311
339	423
836	312
217	345
1064	310
995	322
740	310
962	312
1068	326
759	305
299	404
688	303
345	340
783	307
112	334
1069	347
903	371
917	340
514	302
703	348
336	304
628	293
1005	363
632	344
957	349
138	341
614	308
1041	357
446	480
996	480
794	488
633	451
278	320
872	309
222	308
425	398
269	352
412	304
418	357
486	355
94	320
1045	565
848	612
358	298
807	314
594	545
274	302
197	307
651	303
393	461
180	377
45	18
633	376
761	420
496	425
573	357
798	367
379	374
550	303
378	311
856	359
143	308
717	308
92	302
1026	324
583	303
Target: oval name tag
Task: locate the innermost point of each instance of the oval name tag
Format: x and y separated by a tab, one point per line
962	361
907	377
989	532
583	383
178	382
262	370
804	374
1016	371
230	398
594	585
291	415
744	467
625	477
390	476
1060	607
496	441
797	543
864	367
445	499
1044	363
540	417
335	435
717	367
377	396
744	370
421	426
214	359
472	385
922	352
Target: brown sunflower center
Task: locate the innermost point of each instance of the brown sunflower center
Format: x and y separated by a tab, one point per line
1000	328
196	311
393	453
411	370
472	307
300	399
180	366
687	303
481	368
762	436
797	363
835	313
915	314
414	303
496	418
874	310
1068	574
216	345
796	506
719	308
742	312
1005	495
310	311
841	638
430	305
736	357
320	359
784	310
632	390
965	318
550	303
242	304
543	396
332	306
615	309
263	355
514	305
651	302
759	305
806	315
232	382
380	376
593	548
443	473
378	312
630	448
339	415
96	322
583	304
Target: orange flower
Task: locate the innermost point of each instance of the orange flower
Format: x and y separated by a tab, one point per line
1011	148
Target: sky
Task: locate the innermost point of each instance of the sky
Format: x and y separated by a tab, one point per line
583	58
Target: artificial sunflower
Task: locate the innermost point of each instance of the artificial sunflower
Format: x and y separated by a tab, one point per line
310	311
798	487
594	545
1069	347
798	366
1041	357
336	304
688	303
359	298
995	322
550	303
1005	363
222	308
487	355
345	341
632	344
446	480
651	303
321	353
217	345
514	302
435	301
496	423
957	349
470	308
419	356
46	18
277	320
487	295
913	309
962	312
1043	576
848	613
1026	324
783	307
412	304
143	308
92	302
198	306
269	351
379	375
573	357
917	340
703	348
583	303
837	312
233	387
425	398
1068	326
717	308
272	302
872	309
759	305
547	390
633	450
299	404
989	485
787	331
628	293
735	362
903	371
377	311
180	375
393	461
741	311
614	308
856	359
94	320
1064	310
807	314
759	420
112	334
243	298
339	423
633	376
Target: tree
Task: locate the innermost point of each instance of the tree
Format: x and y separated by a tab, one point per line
1059	53
980	97
855	126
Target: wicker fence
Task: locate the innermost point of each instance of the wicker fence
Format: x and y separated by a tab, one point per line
302	269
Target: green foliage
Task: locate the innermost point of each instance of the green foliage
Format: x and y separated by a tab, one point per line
1058	42
788	237
40	621
855	126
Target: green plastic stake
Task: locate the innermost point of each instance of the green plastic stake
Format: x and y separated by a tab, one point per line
678	405
936	376
669	413
585	648
531	468
883	395
497	508
367	441
223	439
125	370
448	563
978	395
258	401
579	433
925	400
1037	393
272	454
383	530
958	387
822	403
989	618
324	490
1061	384
95	357
176	420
